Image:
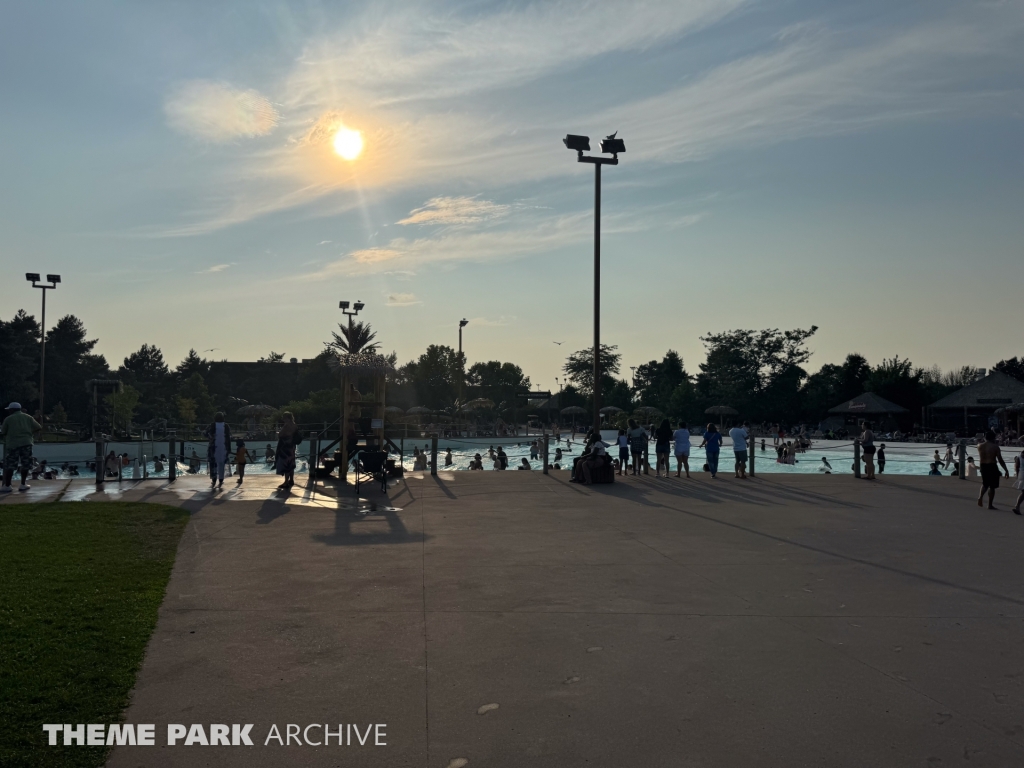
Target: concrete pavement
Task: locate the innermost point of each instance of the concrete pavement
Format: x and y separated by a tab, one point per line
787	620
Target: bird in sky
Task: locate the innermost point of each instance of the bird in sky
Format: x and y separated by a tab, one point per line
211	349
612	136
559	343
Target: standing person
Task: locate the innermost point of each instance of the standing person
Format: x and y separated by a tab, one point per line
880	457
948	458
739	446
19	434
682	440
637	443
287	439
712	444
218	436
988	455
775	435
867	444
448	460
241	458
1019	483
623	442
663	447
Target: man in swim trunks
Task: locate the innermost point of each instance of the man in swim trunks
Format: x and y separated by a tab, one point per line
988	455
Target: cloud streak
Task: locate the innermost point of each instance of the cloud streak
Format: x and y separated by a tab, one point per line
217	112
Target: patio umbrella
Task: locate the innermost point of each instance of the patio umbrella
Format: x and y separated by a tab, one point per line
611	409
419	409
573	410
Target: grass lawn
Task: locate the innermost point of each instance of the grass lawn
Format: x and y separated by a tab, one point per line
80	585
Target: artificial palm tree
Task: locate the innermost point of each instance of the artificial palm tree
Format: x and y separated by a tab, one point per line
354	338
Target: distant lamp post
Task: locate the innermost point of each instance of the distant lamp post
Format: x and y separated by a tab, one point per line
609	146
343	306
462	324
33	277
633	369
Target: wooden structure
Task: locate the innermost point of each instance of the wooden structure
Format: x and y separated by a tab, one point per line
970	408
362	413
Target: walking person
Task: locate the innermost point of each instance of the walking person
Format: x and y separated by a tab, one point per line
712	444
663	447
241	459
988	455
287	440
867	444
739	446
948	458
637	444
682	440
19	434
218	437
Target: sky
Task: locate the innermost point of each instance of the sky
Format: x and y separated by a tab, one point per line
857	167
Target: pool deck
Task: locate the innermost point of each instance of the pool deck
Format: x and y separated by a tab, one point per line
787	620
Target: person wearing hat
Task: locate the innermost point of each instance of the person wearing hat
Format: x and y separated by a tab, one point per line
18	432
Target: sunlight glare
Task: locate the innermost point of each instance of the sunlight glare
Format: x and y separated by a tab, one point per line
348	143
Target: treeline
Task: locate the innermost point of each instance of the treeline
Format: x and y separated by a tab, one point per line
759	373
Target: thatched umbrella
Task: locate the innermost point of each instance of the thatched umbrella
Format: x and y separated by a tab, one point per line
481	403
574	411
611	410
254	412
419	410
393	409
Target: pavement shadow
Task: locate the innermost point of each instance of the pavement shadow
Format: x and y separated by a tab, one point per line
348	521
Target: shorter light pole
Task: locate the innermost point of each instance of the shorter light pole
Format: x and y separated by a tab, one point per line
462	375
33	277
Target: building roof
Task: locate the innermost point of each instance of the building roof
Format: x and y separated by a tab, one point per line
994	391
868	403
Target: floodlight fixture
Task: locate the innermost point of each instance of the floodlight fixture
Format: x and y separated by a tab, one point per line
612	146
463	323
53	278
577	143
32	277
358	306
342	305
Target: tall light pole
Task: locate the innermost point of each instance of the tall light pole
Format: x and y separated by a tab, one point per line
33	277
609	146
462	324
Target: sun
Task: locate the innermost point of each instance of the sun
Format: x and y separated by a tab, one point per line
348	143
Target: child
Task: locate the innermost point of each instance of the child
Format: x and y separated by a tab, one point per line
241	457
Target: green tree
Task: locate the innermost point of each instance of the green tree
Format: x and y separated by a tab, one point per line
145	366
579	368
1011	367
70	362
833	385
122	407
435	376
272	357
497	381
186	409
192	363
194	390
354	338
58	416
756	372
657	381
19	353
900	382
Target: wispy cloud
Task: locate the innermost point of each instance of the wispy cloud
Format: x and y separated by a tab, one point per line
455	210
218	112
214	268
500	321
402	300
